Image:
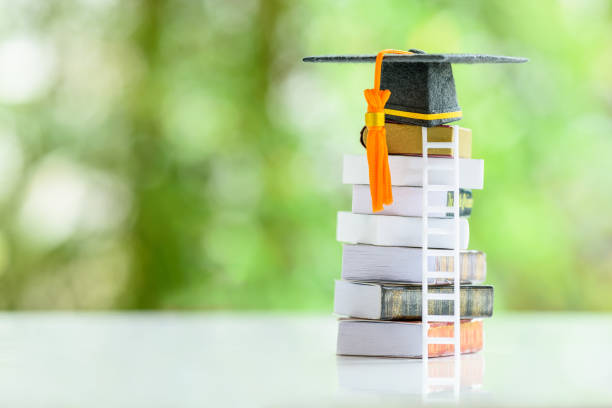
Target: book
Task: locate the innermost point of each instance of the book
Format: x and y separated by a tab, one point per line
408	140
386	301
403	339
408	201
403	264
407	171
391	230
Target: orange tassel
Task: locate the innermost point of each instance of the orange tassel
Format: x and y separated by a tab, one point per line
378	161
378	164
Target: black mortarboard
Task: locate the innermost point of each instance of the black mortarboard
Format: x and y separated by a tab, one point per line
422	85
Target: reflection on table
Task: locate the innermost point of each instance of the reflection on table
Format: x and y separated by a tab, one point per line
405	376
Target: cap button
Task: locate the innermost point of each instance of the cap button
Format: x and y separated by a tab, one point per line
417	51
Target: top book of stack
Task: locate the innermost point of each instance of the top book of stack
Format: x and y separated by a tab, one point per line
407	140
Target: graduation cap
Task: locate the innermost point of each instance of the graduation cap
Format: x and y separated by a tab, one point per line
410	87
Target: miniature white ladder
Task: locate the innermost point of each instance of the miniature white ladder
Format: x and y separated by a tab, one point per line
448	166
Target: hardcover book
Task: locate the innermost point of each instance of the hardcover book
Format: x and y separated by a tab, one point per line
407	171
407	140
403	264
403	339
389	230
403	302
408	201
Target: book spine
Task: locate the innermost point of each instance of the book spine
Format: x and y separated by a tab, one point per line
473	265
471	333
404	302
465	202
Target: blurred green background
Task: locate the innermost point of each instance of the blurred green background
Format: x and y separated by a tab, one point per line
178	154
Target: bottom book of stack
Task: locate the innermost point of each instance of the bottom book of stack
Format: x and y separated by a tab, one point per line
402	338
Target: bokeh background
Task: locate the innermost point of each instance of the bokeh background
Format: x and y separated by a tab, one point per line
178	154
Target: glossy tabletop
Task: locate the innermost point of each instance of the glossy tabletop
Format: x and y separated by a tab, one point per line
255	359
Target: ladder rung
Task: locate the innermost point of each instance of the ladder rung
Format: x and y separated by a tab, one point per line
440	187
441	274
440	340
439	231
441	296
440	252
441	318
441	209
440	145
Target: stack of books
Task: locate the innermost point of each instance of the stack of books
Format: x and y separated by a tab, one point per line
394	234
380	291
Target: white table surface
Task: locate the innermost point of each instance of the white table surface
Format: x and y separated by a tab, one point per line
257	359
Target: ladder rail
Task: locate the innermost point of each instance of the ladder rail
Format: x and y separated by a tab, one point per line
455	297
456	264
425	263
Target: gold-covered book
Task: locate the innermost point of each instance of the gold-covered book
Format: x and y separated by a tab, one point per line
408	140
